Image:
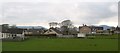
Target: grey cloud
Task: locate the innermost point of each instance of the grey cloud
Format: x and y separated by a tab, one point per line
97	12
79	13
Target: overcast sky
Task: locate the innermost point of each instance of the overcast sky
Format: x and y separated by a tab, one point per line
41	12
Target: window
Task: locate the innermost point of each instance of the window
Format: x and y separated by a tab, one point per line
2	35
50	31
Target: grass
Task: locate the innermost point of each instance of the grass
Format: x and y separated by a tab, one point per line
114	36
62	44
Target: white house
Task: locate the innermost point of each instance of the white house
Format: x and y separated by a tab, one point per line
12	33
81	35
58	33
0	35
53	31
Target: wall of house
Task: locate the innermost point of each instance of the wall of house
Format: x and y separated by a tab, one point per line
8	35
20	35
85	30
50	32
81	35
5	35
0	35
28	33
66	36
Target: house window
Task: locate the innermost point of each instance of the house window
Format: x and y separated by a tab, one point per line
2	35
15	35
47	32
50	31
12	35
9	35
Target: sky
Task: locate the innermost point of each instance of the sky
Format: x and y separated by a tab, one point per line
41	12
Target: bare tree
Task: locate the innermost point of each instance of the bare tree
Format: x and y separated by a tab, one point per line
65	26
13	26
67	23
53	24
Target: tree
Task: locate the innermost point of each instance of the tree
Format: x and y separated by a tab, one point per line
13	26
67	23
6	26
65	26
53	24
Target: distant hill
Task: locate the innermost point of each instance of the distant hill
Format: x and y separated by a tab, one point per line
105	27
31	27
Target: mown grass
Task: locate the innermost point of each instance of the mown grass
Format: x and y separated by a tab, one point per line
105	36
62	44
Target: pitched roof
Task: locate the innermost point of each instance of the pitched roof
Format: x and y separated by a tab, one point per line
15	31
84	26
56	30
34	30
4	30
12	30
118	28
93	27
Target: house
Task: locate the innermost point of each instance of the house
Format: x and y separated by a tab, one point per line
53	31
81	35
90	29
0	35
96	29
117	30
57	33
16	33
33	31
85	29
0	31
12	33
4	34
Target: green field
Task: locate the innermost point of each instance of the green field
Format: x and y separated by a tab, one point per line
62	44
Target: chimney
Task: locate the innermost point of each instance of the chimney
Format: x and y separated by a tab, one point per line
83	25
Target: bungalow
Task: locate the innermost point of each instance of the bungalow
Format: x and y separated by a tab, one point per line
53	31
90	29
33	31
57	33
12	33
